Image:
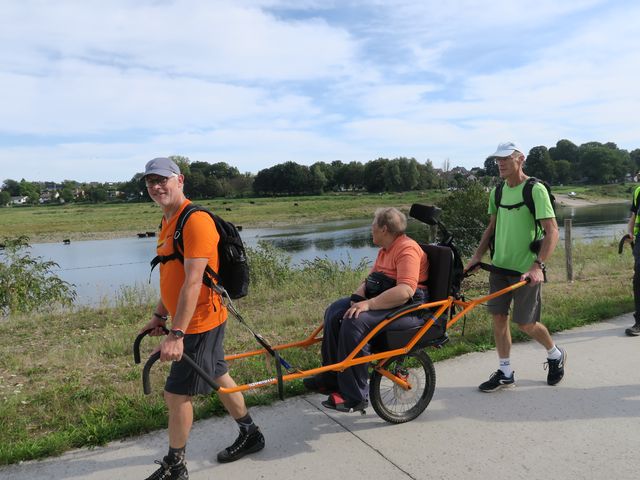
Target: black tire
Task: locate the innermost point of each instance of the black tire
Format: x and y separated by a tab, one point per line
394	404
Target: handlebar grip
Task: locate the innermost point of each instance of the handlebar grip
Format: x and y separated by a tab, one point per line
622	240
136	343
146	384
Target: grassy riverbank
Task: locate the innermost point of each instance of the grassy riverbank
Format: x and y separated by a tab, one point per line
67	379
100	221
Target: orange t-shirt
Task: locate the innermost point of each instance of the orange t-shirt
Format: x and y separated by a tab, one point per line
200	241
405	261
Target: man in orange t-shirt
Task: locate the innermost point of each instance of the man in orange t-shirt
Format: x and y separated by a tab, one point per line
404	267
197	323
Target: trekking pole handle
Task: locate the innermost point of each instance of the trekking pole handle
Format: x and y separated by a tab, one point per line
622	242
146	384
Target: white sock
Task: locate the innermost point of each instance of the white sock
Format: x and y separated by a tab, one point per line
505	366
554	353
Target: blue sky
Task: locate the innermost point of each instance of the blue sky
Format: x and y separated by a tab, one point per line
91	90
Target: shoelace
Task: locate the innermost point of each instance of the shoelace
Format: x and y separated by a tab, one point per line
239	443
162	472
552	364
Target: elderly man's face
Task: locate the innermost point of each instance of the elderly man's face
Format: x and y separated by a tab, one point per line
164	190
507	166
377	234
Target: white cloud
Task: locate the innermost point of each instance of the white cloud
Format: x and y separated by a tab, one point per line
92	90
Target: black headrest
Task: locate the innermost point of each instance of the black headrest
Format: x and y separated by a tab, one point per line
425	213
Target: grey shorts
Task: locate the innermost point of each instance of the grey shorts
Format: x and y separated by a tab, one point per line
526	299
206	349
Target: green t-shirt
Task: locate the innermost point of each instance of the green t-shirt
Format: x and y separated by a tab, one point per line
515	228
634	210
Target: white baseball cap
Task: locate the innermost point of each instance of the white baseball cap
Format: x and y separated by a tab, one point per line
505	149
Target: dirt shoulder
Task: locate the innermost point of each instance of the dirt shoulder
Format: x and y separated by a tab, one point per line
570	201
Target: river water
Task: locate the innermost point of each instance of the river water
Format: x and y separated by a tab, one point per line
103	269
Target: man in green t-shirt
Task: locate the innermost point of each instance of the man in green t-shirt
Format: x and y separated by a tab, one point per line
634	235
512	228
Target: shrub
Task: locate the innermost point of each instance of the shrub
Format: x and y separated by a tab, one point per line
27	283
465	214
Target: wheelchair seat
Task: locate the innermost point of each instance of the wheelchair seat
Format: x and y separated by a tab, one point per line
439	288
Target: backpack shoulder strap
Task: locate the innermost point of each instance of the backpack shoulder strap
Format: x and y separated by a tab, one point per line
178	243
527	194
497	196
178	238
182	220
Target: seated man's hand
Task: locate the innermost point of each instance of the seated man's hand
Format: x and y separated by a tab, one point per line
356	308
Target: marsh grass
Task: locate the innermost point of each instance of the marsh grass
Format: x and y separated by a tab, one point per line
67	379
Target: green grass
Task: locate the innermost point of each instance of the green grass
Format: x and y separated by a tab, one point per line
67	378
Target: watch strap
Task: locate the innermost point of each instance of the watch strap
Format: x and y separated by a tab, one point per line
177	332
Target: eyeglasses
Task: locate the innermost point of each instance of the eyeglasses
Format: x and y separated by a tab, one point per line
497	160
154	181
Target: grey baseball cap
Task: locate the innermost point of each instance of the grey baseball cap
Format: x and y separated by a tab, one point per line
162	166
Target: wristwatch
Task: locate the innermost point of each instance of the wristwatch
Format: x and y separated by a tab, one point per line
540	262
177	332
161	317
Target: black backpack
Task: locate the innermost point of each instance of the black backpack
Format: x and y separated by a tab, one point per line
233	271
527	199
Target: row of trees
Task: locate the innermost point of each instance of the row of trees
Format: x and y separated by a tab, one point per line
382	174
591	162
566	162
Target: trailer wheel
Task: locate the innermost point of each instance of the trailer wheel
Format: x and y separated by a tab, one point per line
392	402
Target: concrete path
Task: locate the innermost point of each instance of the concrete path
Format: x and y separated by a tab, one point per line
586	427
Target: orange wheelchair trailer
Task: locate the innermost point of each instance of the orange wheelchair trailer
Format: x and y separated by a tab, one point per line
403	378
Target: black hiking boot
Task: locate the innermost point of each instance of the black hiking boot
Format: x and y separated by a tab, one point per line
167	471
498	380
247	442
556	368
634	330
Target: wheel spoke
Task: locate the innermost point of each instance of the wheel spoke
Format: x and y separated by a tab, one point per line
392	402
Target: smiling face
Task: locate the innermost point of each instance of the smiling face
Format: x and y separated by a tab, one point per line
165	191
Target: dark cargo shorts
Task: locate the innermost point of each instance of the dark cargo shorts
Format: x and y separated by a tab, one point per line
526	299
206	349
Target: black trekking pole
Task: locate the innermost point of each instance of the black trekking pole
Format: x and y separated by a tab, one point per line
280	362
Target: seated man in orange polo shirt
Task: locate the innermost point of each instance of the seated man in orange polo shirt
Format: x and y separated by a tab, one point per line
347	321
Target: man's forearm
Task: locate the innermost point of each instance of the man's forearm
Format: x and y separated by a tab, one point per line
550	240
187	302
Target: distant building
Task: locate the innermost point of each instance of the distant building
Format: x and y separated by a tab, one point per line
20	200
47	196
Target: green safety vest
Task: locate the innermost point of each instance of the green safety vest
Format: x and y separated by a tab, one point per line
636	226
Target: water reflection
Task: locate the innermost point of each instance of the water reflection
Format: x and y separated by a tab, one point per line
327	237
